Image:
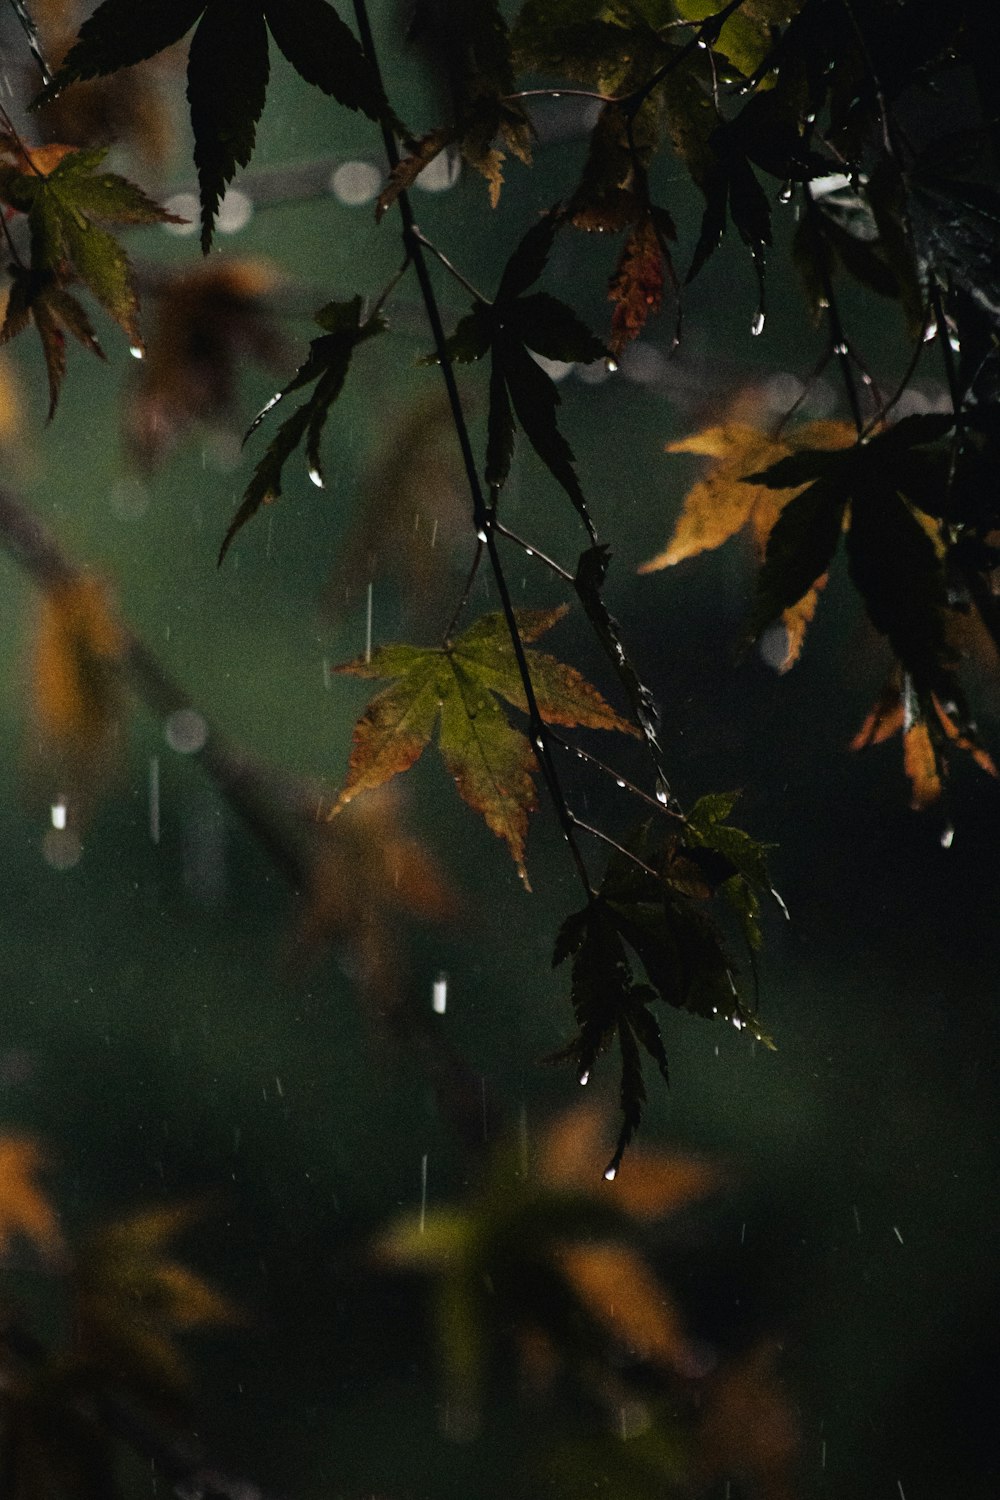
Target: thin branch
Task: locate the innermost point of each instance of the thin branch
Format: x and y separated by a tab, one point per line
482	515
530	550
467	590
838	339
616	776
389	288
911	369
452	269
31	33
605	838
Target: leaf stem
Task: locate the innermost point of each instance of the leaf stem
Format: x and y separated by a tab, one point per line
838	340
449	266
483	518
605	838
467	590
30	30
530	550
616	776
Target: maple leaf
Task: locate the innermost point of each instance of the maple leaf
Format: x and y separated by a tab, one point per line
508	328
930	728
210	320
77	704
26	1212
637	285
67	198
325	367
546	1251
457	687
131	1300
894	553
228	68
468	41
643	911
726	500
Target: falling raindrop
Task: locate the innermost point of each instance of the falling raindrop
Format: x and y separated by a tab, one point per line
154	798
757	326
610	1173
439	994
137	351
584	1078
58	813
316	477
423	1192
947	836
368	626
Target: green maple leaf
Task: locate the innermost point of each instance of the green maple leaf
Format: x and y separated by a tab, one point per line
508	328
228	68
67	199
327	365
459	688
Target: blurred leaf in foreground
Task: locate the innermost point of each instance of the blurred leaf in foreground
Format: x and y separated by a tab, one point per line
26	1211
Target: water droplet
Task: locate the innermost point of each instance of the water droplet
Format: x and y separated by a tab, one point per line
947	836
316	477
539	742
137	351
528	552
620	783
584	1078
611	365
481	534
58	813
737	1023
930	332
840	349
757	326
185	731
439	994
662	795
702	44
955	343
610	1173
785	196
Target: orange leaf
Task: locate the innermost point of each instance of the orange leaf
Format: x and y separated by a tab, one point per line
921	765
619	1289
25	1210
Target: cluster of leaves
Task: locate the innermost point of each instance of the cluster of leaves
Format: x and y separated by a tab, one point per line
66	198
651	908
65	1410
541	1258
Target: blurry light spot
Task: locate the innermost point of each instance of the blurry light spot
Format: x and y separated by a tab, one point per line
185	206
185	731
643	364
782	390
355	183
439	995
235	212
59	813
773	646
595	374
137	351
61	848
441	173
555	369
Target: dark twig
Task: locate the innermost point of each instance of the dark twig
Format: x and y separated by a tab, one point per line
530	550
449	266
467	590
616	776
605	838
482	515
31	33
838	339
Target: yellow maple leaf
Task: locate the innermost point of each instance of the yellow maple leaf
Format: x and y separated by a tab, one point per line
26	1211
722	503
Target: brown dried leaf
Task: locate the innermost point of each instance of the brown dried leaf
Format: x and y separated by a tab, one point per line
211	320
637	286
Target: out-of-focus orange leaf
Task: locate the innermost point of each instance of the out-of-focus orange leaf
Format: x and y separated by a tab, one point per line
76	691
11	406
413	489
619	1289
884	718
367	870
131	1300
656	1184
130	109
26	1211
210	321
637	286
749	1431
921	765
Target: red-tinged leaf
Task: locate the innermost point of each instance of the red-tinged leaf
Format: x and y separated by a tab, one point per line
884	718
963	739
457	687
796	621
26	1211
637	285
